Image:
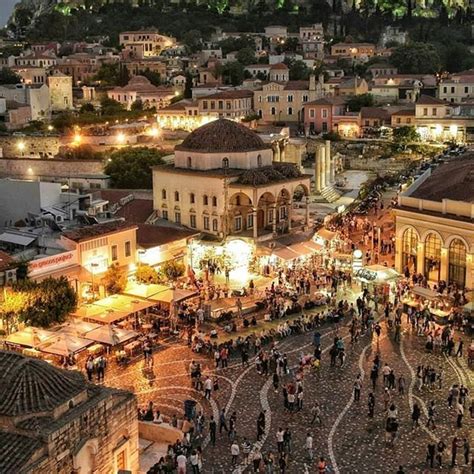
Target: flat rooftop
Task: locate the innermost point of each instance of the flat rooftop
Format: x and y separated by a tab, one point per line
453	180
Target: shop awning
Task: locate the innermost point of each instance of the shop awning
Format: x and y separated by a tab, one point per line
384	273
110	336
108	316
175	296
326	234
29	337
124	303
77	327
313	246
23	240
285	253
64	345
144	291
424	292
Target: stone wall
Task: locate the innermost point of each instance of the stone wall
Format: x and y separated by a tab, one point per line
31	147
106	428
44	169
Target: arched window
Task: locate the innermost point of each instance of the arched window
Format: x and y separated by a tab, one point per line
432	257
192	198
163	194
225	163
457	263
259	161
237	200
273	111
290	110
214	201
205	199
409	248
176	196
190	162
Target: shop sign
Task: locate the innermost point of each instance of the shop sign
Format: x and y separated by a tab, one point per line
52	263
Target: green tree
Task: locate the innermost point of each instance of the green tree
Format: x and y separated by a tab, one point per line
107	74
48	302
356	102
232	73
193	40
110	106
137	106
146	274
130	168
87	107
7	76
172	269
63	121
421	58
403	136
115	280
152	76
246	56
298	71
83	152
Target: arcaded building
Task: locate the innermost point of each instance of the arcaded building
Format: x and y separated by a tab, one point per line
224	182
435	224
52	421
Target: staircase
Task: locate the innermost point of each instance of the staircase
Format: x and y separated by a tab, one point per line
330	193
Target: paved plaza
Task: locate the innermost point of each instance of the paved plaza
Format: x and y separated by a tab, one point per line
348	438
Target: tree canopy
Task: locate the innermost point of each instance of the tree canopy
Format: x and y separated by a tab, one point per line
402	136
7	76
130	168
413	58
356	102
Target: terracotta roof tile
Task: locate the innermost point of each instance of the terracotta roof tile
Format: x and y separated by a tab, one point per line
151	235
89	232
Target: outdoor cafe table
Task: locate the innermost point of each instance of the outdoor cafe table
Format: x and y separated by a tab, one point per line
131	346
95	349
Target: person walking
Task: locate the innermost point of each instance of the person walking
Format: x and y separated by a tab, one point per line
466	450
431	415
287	440
439	455
454	451
194	459
208	388
430	454
415	416
212	430
371	404
234	451
90	368
280	438
222	422
357	388
459	414
309	446
246	448
316	412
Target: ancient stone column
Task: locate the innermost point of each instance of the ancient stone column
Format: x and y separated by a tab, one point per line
306	219
317	174
290	213
255	223
273	210
322	167
329	162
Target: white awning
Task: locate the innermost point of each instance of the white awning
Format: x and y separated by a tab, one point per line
16	239
425	292
285	253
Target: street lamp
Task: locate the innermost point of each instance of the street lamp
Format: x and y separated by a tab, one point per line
93	266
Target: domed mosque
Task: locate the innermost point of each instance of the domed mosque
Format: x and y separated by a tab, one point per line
224	183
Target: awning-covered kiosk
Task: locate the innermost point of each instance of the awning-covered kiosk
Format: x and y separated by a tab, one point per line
421	299
28	341
64	345
380	280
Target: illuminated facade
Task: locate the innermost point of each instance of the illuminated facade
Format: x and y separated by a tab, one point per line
438	120
143	44
434	225
224	182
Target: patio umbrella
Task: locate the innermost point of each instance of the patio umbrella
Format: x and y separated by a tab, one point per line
65	345
110	335
29	337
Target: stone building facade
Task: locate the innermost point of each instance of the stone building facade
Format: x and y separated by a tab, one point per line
435	225
52	421
224	182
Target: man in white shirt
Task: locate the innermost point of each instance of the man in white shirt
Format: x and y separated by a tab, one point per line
207	388
234	451
309	446
280	437
181	462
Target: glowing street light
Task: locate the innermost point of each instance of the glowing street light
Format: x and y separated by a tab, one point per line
121	138
154	132
21	146
77	139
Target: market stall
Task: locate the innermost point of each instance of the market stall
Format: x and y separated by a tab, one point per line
64	346
110	335
421	299
29	338
380	280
